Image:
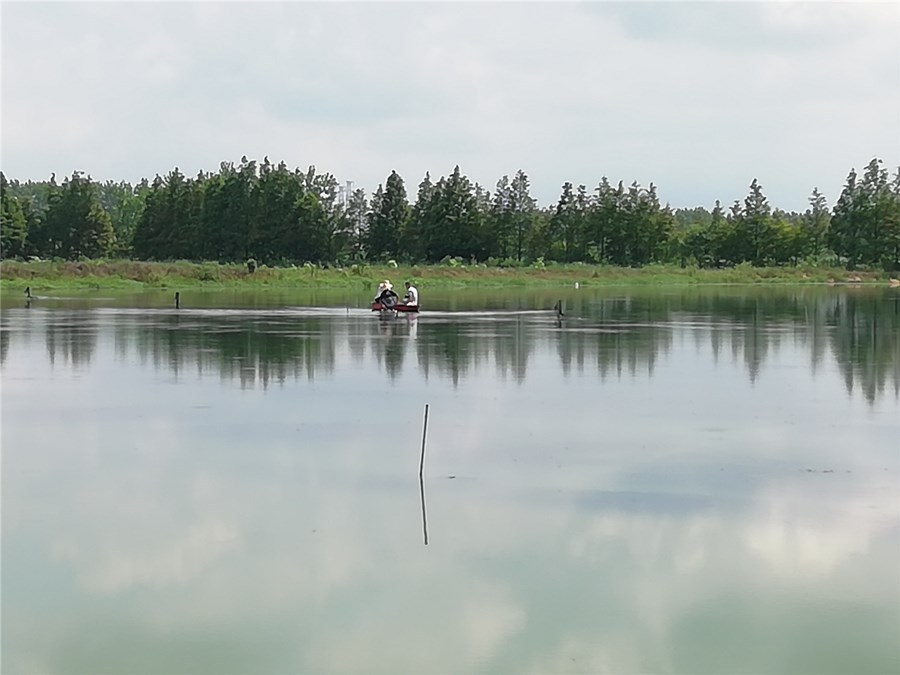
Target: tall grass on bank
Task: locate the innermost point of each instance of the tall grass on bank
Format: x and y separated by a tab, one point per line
134	275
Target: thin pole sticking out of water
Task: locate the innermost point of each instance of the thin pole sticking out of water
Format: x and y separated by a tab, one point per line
424	432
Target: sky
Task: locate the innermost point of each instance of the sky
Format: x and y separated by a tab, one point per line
698	98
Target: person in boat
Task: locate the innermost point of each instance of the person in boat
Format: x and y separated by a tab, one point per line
385	294
412	295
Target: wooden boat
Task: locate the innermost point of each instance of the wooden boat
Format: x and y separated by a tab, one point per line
377	306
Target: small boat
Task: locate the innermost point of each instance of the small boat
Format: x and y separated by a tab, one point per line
377	306
388	301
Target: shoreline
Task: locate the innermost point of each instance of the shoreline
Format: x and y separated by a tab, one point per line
134	276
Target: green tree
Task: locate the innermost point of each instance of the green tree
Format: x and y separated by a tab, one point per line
388	217
654	227
276	193
13	226
601	221
695	244
508	217
538	242
814	225
97	237
737	247
76	224
687	218
486	244
880	227
169	225
455	221
226	216
350	226
34	224
787	238
723	237
322	227
865	225
124	203
312	242
420	223
619	238
891	253
500	220
522	206
53	235
756	221
846	222
566	225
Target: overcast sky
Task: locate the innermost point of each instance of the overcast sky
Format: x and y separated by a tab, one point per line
698	98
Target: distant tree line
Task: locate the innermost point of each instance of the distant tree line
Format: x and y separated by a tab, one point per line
276	215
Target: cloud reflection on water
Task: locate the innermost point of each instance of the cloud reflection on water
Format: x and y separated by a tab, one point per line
685	518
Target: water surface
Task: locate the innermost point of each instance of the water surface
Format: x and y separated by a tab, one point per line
669	481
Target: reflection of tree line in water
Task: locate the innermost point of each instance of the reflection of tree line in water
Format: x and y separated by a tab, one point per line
254	351
615	336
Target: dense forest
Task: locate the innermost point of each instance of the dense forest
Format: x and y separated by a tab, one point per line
271	214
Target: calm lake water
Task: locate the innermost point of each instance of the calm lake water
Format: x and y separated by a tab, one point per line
671	481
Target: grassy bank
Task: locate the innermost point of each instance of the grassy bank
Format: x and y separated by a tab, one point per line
131	275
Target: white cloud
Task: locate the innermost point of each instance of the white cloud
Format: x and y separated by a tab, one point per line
132	562
699	98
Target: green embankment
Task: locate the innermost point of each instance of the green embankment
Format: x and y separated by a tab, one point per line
131	275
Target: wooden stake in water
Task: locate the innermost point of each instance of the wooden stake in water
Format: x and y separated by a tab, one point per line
424	433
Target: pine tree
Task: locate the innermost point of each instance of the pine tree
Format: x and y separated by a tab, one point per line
420	223
456	221
522	207
564	225
814	225
76	224
388	218
169	228
500	220
844	235
601	220
275	230
97	235
757	223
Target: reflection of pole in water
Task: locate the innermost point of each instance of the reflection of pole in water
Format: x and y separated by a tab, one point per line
424	517
421	479
558	310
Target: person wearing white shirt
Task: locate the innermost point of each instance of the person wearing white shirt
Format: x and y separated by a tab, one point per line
412	295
